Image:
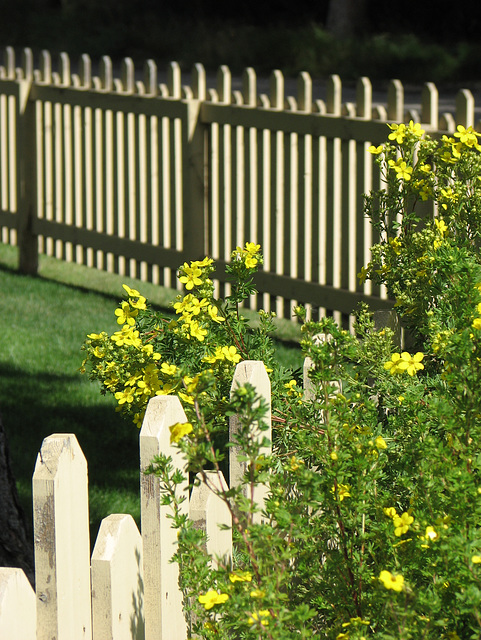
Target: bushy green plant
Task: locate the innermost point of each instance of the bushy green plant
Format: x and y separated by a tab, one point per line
371	526
152	354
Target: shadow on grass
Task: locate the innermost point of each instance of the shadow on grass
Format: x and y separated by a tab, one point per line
109	443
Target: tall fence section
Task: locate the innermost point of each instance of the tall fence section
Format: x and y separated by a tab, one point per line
128	588
136	176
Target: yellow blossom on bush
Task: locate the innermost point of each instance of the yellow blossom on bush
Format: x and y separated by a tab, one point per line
403	172
398	132
126	315
178	431
191	276
211	598
260	617
390	581
401	523
257	593
380	443
240	576
476	559
376	150
401	362
341	492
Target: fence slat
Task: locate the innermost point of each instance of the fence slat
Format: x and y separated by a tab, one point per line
62	547
207	510
17	606
164	618
117	581
251	372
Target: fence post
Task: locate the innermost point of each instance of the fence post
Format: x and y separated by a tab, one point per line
117	582
194	160
17	606
26	177
164	619
61	535
252	372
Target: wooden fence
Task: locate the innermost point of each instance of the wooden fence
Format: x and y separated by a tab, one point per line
128	589
135	176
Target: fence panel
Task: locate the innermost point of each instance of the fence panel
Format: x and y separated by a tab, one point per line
135	177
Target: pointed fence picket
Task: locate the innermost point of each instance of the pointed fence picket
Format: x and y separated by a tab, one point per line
128	588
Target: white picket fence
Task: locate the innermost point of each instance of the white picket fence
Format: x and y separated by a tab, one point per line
136	176
128	588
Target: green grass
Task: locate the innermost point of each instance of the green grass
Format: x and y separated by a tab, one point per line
45	320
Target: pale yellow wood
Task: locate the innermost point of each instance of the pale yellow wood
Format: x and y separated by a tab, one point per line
61	534
17	606
209	512
117	581
395	101
465	108
251	372
164	618
430	106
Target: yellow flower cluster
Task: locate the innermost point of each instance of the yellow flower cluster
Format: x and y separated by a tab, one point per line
401	522
249	254
405	362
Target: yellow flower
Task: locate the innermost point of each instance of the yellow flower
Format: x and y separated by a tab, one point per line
401	523
415	128
168	369
403	172
342	492
476	323
398	132
441	226
240	576
401	362
257	593
132	293
214	314
390	512
476	559
260	617
190	276
178	431
125	314
230	354
380	443
125	396
211	598
376	150
390	581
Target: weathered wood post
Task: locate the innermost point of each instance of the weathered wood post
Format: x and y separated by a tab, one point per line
164	619
254	373
117	581
26	176
61	536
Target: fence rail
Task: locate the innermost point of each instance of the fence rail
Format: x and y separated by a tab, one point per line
135	176
128	589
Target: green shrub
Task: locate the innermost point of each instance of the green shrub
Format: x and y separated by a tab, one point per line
372	522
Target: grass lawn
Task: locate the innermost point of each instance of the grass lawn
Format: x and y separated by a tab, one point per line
45	320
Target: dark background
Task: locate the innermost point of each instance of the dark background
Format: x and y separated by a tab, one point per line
413	40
